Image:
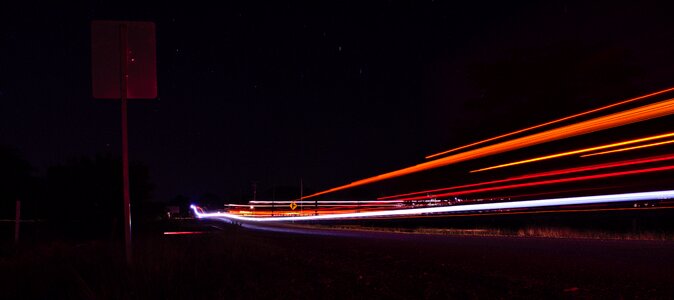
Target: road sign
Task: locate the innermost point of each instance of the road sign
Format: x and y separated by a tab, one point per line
123	66
140	62
293	205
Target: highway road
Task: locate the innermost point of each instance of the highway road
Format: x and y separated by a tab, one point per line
208	259
350	263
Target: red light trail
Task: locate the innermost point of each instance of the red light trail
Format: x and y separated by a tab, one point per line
545	174
638	114
562	154
553	122
182	232
546	182
425	211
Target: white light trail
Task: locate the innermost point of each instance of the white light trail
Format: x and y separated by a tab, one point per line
645	196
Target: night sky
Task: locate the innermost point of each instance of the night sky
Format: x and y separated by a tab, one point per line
327	92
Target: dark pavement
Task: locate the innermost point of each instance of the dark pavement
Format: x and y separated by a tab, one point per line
441	265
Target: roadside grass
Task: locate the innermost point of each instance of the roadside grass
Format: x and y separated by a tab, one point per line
238	264
228	264
559	232
529	231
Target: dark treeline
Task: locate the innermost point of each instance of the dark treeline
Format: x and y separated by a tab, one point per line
83	192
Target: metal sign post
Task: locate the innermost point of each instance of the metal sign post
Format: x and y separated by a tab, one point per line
17	222
124	67
124	80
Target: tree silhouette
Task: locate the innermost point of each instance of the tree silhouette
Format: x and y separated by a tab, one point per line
90	191
16	180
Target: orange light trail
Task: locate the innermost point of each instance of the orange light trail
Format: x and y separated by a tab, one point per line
546	182
479	207
629	148
638	114
553	122
562	154
545	174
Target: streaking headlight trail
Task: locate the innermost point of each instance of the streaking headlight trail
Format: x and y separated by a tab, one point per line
552	122
541	175
639	114
630	148
579	151
601	199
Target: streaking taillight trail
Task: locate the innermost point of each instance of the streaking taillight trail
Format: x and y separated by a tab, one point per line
600	199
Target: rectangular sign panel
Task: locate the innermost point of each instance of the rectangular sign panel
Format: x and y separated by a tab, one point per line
107	39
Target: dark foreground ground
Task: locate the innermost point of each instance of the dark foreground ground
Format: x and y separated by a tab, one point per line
235	262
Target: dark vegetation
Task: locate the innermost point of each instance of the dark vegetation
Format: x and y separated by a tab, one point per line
71	249
236	263
81	196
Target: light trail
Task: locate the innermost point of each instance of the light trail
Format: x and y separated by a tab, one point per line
536	212
574	152
321	205
646	112
323	201
510	197
629	148
546	182
546	174
614	198
552	122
